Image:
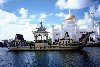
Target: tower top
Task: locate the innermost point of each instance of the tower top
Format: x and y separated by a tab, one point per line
41	24
41	28
69	16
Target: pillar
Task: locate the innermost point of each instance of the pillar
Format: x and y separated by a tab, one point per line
36	38
41	37
99	28
77	33
47	38
53	37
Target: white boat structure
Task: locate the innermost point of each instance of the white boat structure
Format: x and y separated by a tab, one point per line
41	42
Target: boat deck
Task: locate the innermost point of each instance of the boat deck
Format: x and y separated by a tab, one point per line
44	48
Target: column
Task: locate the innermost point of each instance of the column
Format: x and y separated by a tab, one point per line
47	38
41	37
77	34
36	38
89	38
99	28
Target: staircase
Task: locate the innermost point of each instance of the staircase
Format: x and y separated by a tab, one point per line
84	38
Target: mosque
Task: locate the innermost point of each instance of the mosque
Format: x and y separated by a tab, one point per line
70	31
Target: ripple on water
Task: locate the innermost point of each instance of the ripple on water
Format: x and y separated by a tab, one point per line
88	57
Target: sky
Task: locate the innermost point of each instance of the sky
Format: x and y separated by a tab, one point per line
24	16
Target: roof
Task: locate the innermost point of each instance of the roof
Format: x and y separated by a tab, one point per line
41	28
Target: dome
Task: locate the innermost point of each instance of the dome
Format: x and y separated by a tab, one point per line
70	17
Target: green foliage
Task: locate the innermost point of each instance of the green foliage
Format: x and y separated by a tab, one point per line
49	41
30	42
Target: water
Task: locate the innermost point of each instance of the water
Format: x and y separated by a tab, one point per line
88	57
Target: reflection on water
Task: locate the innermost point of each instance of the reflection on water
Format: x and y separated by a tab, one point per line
88	57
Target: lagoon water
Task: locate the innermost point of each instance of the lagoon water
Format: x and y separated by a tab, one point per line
88	57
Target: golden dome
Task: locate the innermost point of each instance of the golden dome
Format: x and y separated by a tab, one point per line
70	17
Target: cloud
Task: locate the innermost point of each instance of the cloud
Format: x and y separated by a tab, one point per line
73	4
9	31
50	14
27	31
33	16
2	2
60	14
7	17
86	22
10	25
97	13
42	17
61	4
23	12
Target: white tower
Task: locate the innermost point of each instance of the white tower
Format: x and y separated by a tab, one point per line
92	19
70	21
61	31
98	27
53	36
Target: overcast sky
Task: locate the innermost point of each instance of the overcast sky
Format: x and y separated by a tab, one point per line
23	16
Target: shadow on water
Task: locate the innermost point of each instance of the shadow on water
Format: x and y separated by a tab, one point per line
77	59
80	58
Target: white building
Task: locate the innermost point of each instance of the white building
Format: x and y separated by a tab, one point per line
70	30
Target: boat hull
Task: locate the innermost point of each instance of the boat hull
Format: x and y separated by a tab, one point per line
46	48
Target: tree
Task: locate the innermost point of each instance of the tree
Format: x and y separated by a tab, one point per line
49	41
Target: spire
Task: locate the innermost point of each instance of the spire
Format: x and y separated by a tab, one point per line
69	11
41	28
41	24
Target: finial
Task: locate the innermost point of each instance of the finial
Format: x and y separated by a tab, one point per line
41	24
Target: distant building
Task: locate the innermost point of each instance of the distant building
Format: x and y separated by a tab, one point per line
19	37
1	44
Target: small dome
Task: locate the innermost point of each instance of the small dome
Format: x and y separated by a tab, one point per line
70	17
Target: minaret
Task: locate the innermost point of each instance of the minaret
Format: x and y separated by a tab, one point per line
92	18
53	36
98	27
